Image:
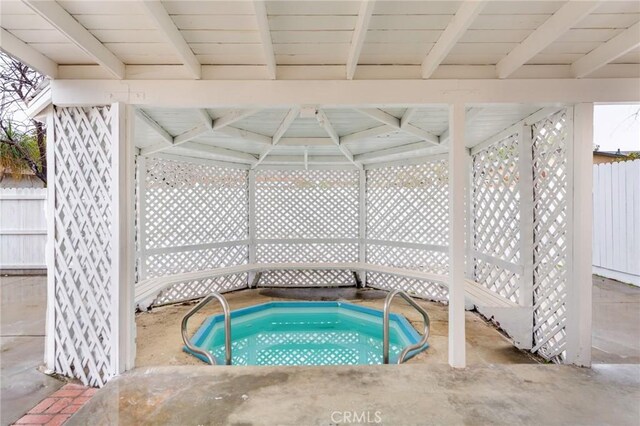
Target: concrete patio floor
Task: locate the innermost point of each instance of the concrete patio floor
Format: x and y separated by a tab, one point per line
396	394
22	322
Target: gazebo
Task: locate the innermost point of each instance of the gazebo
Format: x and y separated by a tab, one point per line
442	148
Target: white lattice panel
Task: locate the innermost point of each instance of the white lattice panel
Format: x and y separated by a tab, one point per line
306	204
186	211
195	289
550	235
408	204
83	186
189	204
496	216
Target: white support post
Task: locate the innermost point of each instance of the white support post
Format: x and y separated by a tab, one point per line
457	352
579	292
252	223
50	330
123	246
362	254
525	182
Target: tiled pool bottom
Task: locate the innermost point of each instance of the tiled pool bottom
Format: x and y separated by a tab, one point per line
306	333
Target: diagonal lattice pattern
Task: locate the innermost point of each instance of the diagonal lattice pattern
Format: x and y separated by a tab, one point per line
408	204
550	139
190	204
83	187
185	211
306	204
496	215
195	289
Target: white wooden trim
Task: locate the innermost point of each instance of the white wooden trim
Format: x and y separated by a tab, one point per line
525	184
205	118
142	212
152	124
307	241
407	161
396	123
194	247
243	134
200	160
579	292
165	25
310	166
27	54
394	153
53	13
559	23
251	196
456	28
362	222
366	134
403	244
190	134
307	142
219	153
359	35
50	325
513	267
265	36
457	350
123	258
407	116
342	93
610	51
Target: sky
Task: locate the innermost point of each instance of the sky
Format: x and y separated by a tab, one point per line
617	126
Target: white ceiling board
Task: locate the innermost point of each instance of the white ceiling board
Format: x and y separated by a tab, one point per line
508	22
409	22
317	37
115	22
305	127
612	6
589	34
411	7
128	36
14	7
554	59
175	121
403	36
215	22
297	7
265	122
381	142
63	53
494	36
24	22
220	36
604	20
533	7
223	141
103	7
311	23
38	36
185	7
347	121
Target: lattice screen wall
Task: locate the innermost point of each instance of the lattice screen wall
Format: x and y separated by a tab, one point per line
83	185
550	174
408	224
191	217
306	216
495	215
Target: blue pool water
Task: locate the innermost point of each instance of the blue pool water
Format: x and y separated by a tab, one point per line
305	333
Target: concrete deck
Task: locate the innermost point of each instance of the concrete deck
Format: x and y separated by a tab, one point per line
22	322
394	394
616	322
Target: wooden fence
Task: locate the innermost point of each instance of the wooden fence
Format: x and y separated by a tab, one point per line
23	229
616	221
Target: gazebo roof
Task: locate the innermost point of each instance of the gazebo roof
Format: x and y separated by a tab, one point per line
472	42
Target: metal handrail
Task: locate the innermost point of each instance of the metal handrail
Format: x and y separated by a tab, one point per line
227	328
385	326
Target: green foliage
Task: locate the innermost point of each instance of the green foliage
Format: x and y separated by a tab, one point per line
13	158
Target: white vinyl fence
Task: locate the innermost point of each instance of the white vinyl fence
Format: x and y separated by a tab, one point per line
616	221
23	229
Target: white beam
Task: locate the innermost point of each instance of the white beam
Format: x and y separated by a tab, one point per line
359	36
580	212
26	54
243	134
282	129
456	28
233	117
306	142
341	93
53	13
390	120
326	125
395	153
407	116
265	36
219	153
457	168
373	132
152	124
553	28
205	118
621	44
177	140
168	29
